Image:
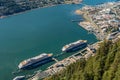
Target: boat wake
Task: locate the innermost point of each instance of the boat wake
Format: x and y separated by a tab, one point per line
58	55
16	72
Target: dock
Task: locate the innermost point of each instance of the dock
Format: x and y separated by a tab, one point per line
77	20
61	65
55	59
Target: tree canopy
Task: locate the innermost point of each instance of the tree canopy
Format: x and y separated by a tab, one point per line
105	65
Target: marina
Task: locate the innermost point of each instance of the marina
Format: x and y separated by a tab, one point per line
61	65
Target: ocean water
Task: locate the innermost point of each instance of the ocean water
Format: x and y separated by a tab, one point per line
34	32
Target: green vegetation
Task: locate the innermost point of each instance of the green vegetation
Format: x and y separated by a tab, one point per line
105	65
9	7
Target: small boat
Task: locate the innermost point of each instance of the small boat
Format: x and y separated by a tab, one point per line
19	78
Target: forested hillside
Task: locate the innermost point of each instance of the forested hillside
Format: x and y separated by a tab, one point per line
105	65
9	7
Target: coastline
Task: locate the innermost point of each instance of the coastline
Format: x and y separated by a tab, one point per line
70	2
62	64
44	7
2	17
90	26
101	24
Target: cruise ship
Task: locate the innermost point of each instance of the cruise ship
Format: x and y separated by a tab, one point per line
35	61
75	46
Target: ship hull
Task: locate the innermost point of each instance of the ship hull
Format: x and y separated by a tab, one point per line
36	64
75	48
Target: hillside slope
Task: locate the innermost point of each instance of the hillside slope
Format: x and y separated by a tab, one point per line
105	65
9	7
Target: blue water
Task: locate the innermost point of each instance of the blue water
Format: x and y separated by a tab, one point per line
34	32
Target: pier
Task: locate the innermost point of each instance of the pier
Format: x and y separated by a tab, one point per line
61	65
91	25
55	59
77	20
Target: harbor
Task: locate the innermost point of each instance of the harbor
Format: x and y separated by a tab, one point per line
101	20
61	65
22	36
92	27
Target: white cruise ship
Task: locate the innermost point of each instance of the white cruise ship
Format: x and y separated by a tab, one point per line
35	61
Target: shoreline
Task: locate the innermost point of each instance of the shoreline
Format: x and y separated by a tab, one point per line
90	26
68	3
62	64
2	17
99	24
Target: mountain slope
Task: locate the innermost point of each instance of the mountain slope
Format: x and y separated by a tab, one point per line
105	65
9	7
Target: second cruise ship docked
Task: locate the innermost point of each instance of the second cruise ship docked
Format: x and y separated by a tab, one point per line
75	46
35	61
